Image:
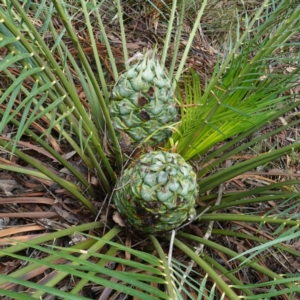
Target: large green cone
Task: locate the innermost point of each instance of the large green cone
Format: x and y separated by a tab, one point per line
143	103
157	193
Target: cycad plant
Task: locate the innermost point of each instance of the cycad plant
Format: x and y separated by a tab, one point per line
65	98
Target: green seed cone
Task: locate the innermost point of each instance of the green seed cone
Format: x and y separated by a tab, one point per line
143	103
157	193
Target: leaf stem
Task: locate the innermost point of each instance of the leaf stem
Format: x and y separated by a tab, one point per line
123	35
167	271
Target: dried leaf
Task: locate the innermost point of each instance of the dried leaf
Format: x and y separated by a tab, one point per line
118	219
7	186
69	155
4	222
124	140
70	218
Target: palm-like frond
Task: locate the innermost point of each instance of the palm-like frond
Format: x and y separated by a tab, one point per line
65	104
148	270
251	85
144	271
248	87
